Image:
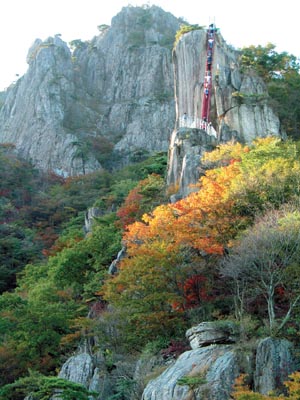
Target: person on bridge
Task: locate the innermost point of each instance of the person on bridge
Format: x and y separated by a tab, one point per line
209	60
203	124
211	30
208	78
185	119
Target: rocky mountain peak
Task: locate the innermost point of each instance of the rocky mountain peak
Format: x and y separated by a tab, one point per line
73	112
37	52
110	98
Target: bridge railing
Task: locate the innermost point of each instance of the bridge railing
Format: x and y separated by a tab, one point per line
197	123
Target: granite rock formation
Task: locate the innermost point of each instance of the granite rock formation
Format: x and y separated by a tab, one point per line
75	111
208	371
274	362
239	106
215	366
207	333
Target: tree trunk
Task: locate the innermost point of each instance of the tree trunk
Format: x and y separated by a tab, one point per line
271	311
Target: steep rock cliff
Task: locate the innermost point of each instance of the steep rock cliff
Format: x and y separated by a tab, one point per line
215	365
239	105
186	148
114	94
239	101
33	113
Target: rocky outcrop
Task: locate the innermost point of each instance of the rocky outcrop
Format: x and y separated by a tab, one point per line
88	371
73	112
274	362
215	367
134	78
76	111
113	268
2	98
206	372
209	370
89	218
208	333
79	369
33	114
186	149
239	108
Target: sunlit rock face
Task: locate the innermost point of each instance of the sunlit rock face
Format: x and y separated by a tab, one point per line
32	116
104	102
215	366
100	103
239	106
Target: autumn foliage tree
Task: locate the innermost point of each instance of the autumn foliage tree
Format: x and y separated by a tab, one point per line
172	253
143	197
169	246
196	290
57	279
155	282
145	290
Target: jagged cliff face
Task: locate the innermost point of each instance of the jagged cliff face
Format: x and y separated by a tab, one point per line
33	113
239	105
135	83
114	94
112	97
239	102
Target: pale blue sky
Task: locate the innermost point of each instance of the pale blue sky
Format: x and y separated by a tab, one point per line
241	23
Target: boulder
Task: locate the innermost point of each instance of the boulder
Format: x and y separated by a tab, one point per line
214	367
274	362
207	333
79	369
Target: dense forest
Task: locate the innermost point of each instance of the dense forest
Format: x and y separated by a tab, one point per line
228	251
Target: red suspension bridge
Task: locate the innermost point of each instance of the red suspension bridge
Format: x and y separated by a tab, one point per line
204	121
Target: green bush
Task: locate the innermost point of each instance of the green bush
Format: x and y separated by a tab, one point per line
186	29
40	387
191	381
